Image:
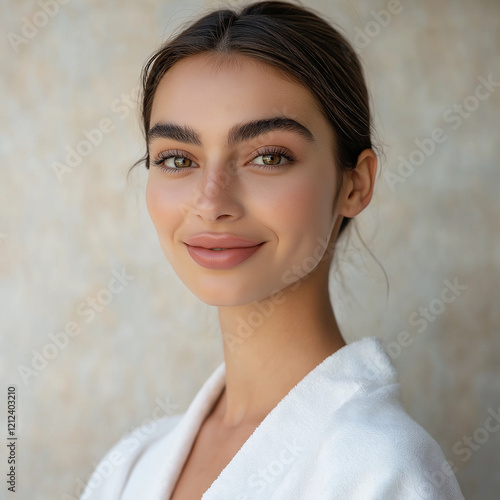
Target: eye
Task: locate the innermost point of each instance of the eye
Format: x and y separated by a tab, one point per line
173	161
178	162
272	158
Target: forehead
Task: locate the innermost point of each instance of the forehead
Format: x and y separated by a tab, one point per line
211	86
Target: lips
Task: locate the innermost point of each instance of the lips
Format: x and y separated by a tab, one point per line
235	249
220	240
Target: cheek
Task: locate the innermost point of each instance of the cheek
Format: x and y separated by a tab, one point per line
153	200
300	206
163	211
163	202
300	214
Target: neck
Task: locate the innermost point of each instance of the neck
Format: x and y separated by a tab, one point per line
289	339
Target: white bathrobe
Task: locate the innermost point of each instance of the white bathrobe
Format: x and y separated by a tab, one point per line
340	433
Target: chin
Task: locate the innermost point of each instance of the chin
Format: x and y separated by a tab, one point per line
224	294
222	298
219	302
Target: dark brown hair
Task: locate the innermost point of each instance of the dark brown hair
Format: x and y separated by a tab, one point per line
293	39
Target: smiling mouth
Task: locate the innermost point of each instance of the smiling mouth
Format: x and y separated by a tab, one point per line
218	249
221	258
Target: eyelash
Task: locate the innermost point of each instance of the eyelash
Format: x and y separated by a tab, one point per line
272	150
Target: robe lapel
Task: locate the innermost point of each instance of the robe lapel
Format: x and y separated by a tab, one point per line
273	462
176	445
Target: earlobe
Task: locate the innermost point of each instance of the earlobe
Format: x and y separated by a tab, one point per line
359	184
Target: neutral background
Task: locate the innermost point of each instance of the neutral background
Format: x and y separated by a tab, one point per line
154	343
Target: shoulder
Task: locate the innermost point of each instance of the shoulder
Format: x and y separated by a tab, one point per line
387	452
112	472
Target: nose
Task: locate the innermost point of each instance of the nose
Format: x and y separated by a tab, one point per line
216	194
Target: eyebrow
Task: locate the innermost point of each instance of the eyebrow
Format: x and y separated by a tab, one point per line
238	133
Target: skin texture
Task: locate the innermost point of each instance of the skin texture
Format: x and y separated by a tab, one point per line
291	209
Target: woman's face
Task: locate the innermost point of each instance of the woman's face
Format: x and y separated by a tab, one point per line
221	183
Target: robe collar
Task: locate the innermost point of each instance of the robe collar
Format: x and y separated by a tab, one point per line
297	423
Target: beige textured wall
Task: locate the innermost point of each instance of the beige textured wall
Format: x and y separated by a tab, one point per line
152	346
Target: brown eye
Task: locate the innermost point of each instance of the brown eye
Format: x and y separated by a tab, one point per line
182	161
271	159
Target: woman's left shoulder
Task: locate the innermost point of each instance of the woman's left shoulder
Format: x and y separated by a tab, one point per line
384	445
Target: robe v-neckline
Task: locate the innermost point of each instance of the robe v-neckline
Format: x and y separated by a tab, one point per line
285	435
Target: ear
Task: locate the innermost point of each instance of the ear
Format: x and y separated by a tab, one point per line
358	184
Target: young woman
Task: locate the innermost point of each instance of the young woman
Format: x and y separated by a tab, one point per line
259	153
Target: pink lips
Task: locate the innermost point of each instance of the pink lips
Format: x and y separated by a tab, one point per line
236	249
